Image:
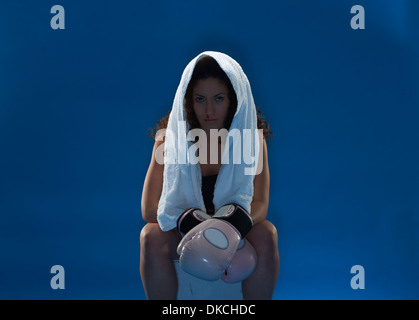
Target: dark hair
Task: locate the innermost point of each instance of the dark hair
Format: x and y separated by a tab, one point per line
205	68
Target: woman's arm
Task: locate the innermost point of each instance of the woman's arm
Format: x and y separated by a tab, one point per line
260	203
153	185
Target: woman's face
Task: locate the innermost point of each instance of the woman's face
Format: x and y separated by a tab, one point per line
210	103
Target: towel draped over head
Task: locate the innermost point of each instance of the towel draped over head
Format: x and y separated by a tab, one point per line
182	178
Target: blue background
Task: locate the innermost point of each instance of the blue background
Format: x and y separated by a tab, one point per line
76	105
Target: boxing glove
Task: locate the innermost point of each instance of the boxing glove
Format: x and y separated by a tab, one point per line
189	219
242	265
236	216
207	249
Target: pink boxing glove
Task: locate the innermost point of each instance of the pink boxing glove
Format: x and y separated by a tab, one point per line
206	250
242	265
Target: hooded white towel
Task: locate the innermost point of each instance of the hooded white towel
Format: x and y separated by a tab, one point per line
182	178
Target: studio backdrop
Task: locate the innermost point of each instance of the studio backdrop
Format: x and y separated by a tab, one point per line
81	85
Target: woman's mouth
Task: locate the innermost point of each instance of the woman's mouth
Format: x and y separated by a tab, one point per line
210	120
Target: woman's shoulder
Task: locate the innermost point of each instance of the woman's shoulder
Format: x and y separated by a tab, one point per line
158	152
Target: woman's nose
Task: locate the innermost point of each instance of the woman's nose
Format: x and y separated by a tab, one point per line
209	108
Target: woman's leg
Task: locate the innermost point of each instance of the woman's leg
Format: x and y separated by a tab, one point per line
158	250
261	283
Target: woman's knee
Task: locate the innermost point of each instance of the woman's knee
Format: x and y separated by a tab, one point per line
153	240
151	237
264	238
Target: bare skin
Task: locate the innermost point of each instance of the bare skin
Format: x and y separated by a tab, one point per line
158	248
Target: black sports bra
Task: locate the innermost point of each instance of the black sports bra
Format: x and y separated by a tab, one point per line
208	184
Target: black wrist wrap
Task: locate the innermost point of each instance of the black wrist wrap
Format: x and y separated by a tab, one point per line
237	217
189	219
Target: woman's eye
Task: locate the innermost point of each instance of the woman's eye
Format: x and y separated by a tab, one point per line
199	99
219	98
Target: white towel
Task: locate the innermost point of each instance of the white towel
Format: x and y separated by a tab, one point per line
182	179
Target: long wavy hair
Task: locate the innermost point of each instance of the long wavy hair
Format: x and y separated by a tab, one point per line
206	68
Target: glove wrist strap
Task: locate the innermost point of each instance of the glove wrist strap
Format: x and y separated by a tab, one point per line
189	219
236	216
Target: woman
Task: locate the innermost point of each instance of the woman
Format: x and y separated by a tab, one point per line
210	102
